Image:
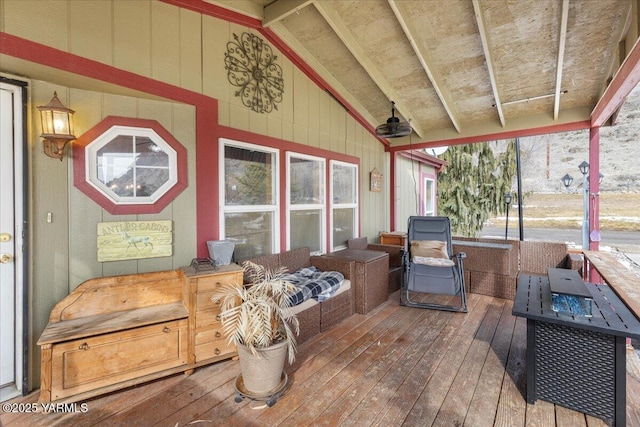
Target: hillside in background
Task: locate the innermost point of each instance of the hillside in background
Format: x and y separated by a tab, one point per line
546	158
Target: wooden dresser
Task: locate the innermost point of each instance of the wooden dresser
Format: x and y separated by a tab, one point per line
115	332
208	343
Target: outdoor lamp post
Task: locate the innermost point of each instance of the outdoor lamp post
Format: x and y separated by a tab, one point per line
584	170
507	201
567	180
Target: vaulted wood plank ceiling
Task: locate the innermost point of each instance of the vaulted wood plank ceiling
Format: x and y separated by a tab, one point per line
459	69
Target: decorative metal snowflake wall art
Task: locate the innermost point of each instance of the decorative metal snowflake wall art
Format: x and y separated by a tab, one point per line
251	66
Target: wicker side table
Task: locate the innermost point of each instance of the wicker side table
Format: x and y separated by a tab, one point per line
575	361
371	284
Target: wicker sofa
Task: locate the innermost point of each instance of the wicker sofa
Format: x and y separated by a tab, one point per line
492	266
314	316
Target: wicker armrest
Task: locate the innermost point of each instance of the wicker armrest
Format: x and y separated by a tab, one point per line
346	267
394	251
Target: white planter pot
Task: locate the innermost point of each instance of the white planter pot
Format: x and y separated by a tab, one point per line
262	374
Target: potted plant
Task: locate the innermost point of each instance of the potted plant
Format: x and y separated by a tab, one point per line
255	318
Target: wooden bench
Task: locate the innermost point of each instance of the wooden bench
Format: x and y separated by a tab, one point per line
620	279
115	332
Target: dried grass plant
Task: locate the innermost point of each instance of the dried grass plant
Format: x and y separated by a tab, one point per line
256	315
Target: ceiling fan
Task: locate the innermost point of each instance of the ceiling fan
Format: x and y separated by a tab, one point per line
394	128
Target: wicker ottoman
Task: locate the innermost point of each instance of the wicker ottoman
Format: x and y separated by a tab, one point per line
371	284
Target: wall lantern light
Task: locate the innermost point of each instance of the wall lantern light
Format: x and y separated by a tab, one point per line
57	127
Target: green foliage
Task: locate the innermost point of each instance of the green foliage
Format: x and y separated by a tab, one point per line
255	185
471	187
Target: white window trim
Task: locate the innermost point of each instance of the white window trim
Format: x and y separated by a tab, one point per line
275	207
433	196
333	206
108	136
319	206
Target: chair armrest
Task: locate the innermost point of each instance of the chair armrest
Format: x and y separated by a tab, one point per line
405	258
344	266
460	256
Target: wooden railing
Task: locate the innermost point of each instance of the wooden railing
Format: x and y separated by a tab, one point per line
622	281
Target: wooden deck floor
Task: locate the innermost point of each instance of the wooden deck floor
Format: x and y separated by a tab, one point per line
394	366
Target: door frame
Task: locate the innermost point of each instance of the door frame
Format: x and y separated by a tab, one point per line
21	219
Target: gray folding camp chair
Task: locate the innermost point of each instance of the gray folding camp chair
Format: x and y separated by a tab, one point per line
424	276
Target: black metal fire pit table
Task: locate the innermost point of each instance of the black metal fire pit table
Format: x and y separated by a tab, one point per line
576	360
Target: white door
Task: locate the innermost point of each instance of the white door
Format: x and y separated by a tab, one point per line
11	240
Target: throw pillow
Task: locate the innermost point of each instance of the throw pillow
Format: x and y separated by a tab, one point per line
434	262
429	248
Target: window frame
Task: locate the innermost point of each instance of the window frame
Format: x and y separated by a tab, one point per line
82	162
106	138
275	207
355	205
425	200
321	206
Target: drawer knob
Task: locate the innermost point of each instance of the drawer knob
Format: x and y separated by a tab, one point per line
216	301
217	351
218	334
84	346
166	330
218	284
217	317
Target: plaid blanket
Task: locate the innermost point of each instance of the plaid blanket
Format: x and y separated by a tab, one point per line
313	283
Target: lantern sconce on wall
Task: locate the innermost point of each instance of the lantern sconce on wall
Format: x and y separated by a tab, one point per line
57	127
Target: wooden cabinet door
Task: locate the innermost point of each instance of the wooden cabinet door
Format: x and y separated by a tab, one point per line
93	362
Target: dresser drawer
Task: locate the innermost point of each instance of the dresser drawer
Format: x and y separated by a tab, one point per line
206	318
213	349
205	301
213	282
89	363
209	334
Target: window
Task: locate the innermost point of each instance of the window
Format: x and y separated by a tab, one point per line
344	203
249	198
306	202
130	166
429	197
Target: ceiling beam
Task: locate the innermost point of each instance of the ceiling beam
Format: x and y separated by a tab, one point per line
314	68
482	29
291	47
343	32
627	77
280	9
409	30
244	7
561	47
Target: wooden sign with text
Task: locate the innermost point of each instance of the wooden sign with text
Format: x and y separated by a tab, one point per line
118	241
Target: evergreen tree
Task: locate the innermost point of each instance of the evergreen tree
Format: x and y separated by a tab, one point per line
472	185
255	185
